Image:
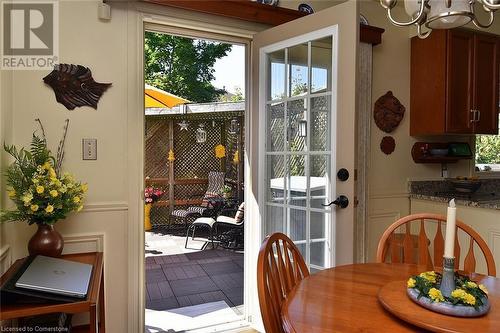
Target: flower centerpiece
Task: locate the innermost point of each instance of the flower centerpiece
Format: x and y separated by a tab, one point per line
468	299
151	195
41	193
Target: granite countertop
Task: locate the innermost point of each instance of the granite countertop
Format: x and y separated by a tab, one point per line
488	195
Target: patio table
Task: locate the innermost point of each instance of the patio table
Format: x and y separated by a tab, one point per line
344	299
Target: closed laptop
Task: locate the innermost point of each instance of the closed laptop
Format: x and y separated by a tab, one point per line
58	276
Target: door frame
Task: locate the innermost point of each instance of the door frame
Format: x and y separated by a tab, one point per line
139	15
263	86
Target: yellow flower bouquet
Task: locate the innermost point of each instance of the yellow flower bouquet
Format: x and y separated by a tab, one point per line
42	194
466	293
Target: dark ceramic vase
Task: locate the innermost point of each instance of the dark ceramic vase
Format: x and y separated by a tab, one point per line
46	241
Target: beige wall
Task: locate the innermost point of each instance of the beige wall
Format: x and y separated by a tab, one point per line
389	174
102	46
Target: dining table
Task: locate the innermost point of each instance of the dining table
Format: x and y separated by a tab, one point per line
352	298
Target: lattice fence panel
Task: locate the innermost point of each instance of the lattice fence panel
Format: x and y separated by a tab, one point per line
156	148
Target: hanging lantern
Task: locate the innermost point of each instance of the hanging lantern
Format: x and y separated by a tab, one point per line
201	134
171	156
236	157
302	128
234	127
220	151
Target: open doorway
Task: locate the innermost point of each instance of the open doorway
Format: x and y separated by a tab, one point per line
193	169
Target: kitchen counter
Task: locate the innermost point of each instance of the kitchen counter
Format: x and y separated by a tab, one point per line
488	195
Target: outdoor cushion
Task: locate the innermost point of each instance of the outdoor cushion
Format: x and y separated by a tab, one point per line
196	210
226	219
181	213
205	220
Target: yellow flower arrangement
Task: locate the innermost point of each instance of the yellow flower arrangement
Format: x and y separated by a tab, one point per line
436	295
411	283
467	292
42	194
483	288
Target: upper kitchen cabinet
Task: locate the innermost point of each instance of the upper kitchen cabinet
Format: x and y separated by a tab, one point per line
454	83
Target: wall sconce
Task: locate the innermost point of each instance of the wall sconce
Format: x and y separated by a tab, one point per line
302	128
201	134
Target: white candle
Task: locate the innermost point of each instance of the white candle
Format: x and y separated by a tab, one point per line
451	217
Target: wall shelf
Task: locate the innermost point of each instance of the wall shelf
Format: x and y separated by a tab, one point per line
421	152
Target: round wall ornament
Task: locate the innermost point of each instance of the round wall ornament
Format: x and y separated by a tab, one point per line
388	112
387	145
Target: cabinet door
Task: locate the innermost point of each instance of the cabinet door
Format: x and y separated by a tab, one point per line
459	71
485	93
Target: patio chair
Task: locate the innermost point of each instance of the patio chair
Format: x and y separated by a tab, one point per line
212	224
210	203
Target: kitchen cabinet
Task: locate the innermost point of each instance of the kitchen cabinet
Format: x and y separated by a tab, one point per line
454	83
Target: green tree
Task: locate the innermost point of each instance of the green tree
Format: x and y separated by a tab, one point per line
488	149
183	66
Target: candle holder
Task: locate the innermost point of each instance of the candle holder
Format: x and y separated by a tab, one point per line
448	278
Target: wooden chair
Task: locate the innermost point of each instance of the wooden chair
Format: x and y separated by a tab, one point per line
279	268
407	248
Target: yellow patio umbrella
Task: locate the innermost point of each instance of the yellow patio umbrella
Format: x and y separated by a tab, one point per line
157	98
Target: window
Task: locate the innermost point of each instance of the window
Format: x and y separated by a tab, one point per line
488	152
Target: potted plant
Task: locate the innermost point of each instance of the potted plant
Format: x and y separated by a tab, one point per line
41	193
151	195
226	191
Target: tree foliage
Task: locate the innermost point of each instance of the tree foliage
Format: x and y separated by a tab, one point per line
183	66
488	149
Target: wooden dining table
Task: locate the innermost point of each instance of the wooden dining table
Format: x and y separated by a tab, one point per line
346	299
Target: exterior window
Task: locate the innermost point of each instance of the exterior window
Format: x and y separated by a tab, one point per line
488	152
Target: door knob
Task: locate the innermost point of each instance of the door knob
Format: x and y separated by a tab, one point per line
342	202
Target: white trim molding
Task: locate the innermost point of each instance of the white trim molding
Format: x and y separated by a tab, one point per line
83	243
112	206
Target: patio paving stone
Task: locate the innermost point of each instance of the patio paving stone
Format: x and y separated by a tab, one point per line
228	281
183	272
235	295
202	254
193	286
155	275
162	304
212	296
223	267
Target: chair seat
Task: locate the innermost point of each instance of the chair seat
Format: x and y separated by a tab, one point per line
227	219
205	220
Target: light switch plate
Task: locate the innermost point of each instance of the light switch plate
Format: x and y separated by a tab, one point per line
89	149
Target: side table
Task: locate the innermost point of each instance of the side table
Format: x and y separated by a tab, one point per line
93	303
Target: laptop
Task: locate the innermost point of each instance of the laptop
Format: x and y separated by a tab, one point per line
57	276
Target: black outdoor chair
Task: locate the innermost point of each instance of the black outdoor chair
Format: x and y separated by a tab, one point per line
211	203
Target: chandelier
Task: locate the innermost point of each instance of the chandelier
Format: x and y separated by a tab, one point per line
441	14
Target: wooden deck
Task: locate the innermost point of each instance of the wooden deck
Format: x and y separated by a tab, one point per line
180	280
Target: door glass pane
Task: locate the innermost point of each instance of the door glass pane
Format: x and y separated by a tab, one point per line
276	127
319	173
275	220
297	63
276	179
318	254
296	132
321	63
320	123
297	224
297	185
319	222
277	71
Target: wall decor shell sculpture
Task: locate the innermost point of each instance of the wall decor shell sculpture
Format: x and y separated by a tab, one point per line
74	86
388	112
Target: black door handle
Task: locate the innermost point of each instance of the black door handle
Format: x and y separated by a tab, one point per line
342	202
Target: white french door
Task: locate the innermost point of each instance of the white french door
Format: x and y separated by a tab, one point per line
301	132
297	155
